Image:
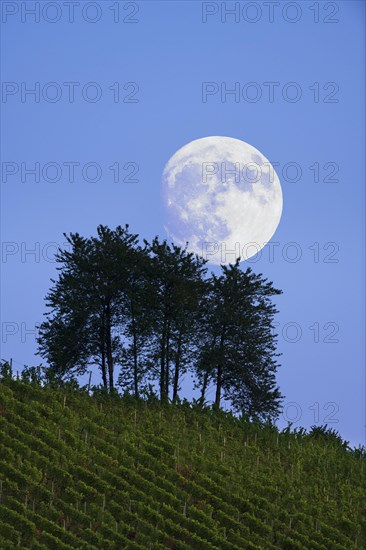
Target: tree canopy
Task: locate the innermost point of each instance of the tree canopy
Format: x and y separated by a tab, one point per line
145	314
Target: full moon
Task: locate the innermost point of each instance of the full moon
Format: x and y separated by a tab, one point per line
223	197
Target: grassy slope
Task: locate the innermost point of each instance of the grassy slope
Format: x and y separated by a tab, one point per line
84	472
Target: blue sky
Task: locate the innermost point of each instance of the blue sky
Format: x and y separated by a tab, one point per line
161	61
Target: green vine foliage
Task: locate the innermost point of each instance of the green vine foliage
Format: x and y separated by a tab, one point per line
97	471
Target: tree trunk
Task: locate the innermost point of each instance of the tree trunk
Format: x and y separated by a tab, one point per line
102	347
204	387
167	373
219	372
207	372
177	367
218	385
135	359
162	365
109	347
104	372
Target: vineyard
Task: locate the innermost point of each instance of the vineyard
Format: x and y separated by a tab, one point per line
109	472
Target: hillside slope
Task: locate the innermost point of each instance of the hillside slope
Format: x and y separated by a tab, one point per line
79	471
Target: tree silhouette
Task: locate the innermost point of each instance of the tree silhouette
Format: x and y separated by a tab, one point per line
86	303
239	350
178	282
151	311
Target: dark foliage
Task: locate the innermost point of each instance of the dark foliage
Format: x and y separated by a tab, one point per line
152	312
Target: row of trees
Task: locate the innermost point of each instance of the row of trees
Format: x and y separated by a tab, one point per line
152	311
